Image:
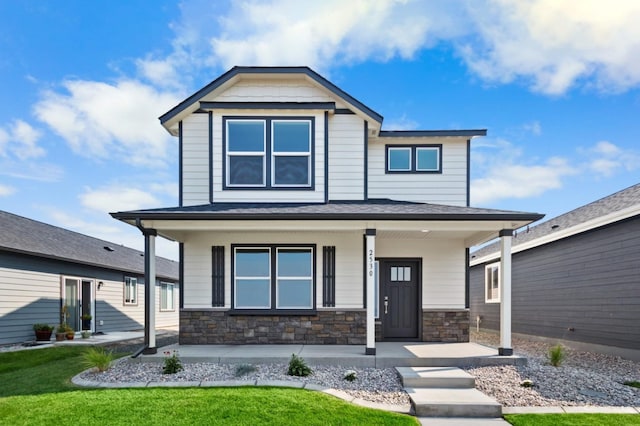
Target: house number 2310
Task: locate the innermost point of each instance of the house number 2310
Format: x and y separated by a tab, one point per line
371	263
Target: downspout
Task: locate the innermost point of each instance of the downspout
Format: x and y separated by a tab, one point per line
149	276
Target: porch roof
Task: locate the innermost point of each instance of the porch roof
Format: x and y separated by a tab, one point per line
373	209
397	218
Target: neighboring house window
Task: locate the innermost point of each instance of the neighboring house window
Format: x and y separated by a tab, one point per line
492	283
274	277
130	291
167	296
414	159
268	153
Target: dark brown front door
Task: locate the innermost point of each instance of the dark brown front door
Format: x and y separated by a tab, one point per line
399	302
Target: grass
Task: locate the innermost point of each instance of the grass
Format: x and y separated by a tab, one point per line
556	355
633	384
573	419
36	389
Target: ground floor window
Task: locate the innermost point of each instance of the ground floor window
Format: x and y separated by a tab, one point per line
492	283
167	297
274	277
130	291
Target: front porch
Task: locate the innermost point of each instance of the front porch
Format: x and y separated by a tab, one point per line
388	354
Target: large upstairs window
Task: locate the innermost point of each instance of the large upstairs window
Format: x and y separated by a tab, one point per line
265	153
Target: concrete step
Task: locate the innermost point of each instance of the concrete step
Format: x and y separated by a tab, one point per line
436	377
447	402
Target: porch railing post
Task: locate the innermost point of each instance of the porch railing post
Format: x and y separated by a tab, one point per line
505	293
370	279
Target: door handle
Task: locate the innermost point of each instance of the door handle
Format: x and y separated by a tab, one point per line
386	304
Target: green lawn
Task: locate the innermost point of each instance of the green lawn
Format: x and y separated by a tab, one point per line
36	389
573	419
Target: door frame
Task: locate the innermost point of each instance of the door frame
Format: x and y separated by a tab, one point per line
418	306
92	303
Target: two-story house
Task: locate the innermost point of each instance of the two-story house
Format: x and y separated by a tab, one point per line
301	221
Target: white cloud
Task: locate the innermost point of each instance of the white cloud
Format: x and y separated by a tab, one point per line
117	198
606	159
6	190
533	127
400	123
106	120
20	139
555	44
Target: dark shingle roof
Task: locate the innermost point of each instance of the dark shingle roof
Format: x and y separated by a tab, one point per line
382	209
620	200
22	235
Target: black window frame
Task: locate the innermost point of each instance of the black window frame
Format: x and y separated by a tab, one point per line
269	156
413	159
273	310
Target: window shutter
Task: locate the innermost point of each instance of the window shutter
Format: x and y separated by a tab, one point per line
217	276
329	276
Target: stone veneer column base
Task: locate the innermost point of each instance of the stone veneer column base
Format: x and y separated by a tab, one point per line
451	326
333	327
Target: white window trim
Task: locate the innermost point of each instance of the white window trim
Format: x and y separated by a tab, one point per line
130	282
403	148
236	278
495	266
428	148
262	154
275	154
163	288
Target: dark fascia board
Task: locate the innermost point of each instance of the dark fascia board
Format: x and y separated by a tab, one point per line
325	216
237	70
80	262
325	106
417	133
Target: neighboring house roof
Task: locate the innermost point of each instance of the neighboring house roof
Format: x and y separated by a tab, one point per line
615	207
26	236
380	209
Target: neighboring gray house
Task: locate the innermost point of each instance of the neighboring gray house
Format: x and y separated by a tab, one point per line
43	267
574	277
301	221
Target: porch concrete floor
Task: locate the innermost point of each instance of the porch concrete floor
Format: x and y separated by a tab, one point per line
388	354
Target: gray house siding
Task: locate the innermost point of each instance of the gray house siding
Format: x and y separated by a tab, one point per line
583	288
30	289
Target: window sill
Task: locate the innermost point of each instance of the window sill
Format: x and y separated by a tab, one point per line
273	313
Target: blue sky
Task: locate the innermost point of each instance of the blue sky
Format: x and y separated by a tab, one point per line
557	85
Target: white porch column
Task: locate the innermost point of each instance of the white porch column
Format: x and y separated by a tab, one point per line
150	291
505	293
370	280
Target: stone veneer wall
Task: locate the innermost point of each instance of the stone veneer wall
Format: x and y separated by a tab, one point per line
207	327
445	326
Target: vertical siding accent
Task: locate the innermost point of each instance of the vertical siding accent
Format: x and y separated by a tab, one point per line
326	156
181	274
366	160
211	156
180	163
217	276
329	276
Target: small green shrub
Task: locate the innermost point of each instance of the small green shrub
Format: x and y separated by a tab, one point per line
97	358
526	383
350	376
556	355
297	367
244	369
172	363
43	327
633	384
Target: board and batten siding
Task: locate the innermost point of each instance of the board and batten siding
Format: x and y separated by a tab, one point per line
443	271
589	283
195	160
346	157
197	263
265	90
448	187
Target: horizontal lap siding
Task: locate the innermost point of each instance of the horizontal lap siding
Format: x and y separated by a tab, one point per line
589	282
443	268
242	195
197	265
270	91
346	157
448	187
195	160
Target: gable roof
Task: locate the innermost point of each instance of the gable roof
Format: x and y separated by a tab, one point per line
26	236
170	116
615	207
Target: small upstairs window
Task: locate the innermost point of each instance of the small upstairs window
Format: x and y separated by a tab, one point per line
413	159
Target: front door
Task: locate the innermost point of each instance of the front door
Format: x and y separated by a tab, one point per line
399	298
